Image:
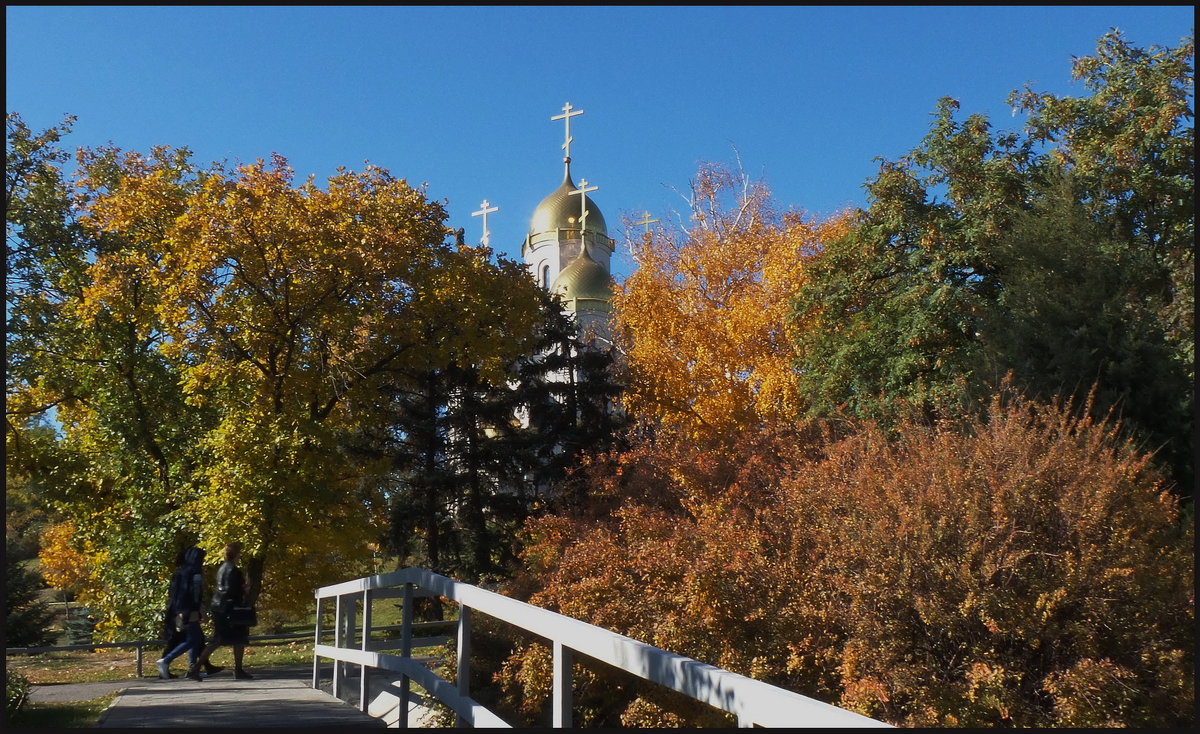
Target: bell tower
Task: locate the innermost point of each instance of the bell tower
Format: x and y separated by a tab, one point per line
568	250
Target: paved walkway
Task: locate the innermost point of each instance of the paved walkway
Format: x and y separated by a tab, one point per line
275	698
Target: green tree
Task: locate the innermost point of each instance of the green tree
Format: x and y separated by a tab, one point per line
941	287
567	391
471	458
121	458
1129	148
27	619
1130	144
893	308
1076	310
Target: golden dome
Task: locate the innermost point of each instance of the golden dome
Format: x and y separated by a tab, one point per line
560	210
584	284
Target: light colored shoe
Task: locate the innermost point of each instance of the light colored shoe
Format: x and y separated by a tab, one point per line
163	671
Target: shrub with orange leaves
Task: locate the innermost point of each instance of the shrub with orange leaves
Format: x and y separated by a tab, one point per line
986	573
1027	568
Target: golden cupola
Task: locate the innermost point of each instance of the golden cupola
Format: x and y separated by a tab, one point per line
567	248
560	218
585	285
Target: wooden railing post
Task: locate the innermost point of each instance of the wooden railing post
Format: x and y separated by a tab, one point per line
406	620
364	672
464	657
316	678
562	686
339	640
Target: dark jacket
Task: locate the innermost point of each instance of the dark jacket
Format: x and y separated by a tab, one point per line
186	592
231	587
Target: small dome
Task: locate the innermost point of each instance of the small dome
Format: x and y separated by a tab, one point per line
560	210
584	284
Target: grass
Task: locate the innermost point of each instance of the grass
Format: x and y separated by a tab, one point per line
68	715
110	664
84	666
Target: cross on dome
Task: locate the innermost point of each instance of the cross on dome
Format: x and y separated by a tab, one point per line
485	211
568	113
582	191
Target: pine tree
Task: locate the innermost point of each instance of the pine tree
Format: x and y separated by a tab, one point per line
27	619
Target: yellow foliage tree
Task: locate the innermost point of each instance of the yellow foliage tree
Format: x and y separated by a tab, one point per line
284	306
703	320
62	564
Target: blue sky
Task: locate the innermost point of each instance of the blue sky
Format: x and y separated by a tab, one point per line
461	98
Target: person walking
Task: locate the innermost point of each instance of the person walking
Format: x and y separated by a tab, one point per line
185	604
231	591
172	635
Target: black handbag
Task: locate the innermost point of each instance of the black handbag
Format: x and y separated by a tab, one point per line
243	615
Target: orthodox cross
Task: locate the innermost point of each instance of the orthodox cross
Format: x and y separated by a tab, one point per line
582	191
568	113
646	221
484	211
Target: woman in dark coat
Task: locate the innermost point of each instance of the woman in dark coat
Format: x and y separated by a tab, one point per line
185	605
172	635
231	590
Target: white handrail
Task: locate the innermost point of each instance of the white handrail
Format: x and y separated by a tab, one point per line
753	702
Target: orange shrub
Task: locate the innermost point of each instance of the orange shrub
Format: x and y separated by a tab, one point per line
1027	569
998	572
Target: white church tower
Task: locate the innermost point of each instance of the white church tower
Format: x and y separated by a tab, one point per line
568	249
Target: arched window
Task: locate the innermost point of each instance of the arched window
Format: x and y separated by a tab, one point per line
545	276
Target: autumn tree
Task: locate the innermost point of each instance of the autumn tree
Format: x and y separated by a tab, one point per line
1001	571
285	305
120	454
702	320
197	337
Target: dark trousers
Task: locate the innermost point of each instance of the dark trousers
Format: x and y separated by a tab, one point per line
171	636
193	643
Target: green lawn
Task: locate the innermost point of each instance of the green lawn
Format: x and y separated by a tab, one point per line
70	715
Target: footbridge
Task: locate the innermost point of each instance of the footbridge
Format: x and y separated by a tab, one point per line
361	651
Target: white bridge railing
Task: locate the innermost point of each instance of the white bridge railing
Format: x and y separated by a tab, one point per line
753	702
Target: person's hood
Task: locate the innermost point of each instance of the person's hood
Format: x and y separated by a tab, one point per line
193	557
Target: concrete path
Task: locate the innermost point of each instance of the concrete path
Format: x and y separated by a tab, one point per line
275	698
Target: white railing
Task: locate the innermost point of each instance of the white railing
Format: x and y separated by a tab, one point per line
753	702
